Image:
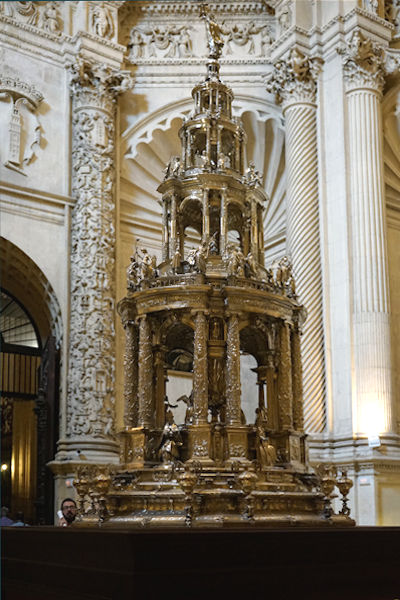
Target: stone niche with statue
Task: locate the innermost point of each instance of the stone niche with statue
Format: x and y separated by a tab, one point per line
205	304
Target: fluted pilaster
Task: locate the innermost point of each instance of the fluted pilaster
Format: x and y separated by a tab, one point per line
363	72
294	82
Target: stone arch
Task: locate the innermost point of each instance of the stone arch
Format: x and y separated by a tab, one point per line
26	281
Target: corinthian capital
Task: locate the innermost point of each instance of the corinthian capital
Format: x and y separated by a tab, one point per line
294	80
363	63
97	84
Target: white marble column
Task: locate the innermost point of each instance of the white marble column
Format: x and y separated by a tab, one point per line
295	83
91	367
372	385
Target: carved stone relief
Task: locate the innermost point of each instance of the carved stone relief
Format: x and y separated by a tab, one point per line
90	407
294	79
363	63
157	41
45	15
101	21
24	129
392	14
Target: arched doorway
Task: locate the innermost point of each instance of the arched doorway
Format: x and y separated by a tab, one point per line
30	328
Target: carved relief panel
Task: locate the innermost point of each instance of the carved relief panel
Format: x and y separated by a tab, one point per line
20	126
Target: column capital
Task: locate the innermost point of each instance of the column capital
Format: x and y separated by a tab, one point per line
363	64
98	85
294	79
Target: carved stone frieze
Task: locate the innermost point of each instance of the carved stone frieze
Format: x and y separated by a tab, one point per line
23	126
158	41
44	15
90	409
363	63
294	80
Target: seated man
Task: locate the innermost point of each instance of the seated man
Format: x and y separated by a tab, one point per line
67	513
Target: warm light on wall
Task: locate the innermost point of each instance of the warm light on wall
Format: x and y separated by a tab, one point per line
4	467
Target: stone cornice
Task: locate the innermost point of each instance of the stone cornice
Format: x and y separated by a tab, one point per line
184	8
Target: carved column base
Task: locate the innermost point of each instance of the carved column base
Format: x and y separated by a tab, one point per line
88	449
237	447
199	443
133	447
290	448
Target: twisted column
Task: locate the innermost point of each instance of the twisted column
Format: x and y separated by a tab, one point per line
90	386
294	82
233	392
364	79
200	369
145	374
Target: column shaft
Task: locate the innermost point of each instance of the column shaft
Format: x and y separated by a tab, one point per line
145	374
373	386
285	392
303	243
131	375
233	391
200	370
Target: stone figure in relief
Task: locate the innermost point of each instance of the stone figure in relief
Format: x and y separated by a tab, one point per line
266	40
136	44
184	43
241	35
50	18
285	18
102	22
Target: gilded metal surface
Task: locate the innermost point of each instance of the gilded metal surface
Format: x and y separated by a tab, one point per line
202	307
